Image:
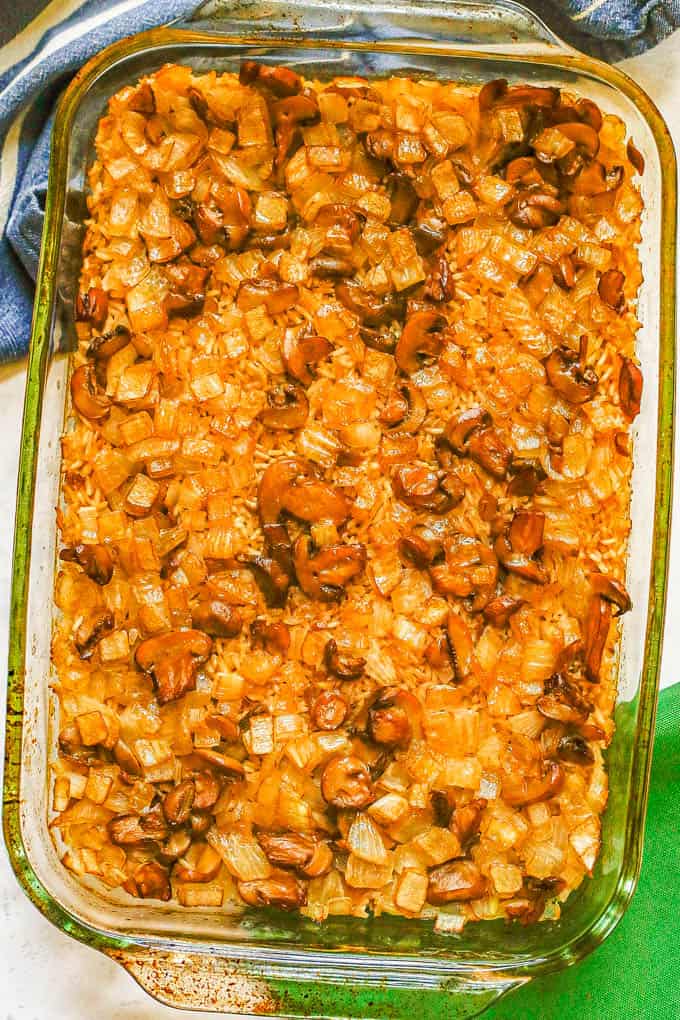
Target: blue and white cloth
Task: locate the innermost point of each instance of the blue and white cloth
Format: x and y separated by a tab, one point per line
42	46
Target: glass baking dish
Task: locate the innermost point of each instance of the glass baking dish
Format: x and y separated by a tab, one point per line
264	962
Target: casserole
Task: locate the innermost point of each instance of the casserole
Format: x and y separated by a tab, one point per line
385	965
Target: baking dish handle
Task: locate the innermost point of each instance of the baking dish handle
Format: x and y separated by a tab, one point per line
503	24
212	983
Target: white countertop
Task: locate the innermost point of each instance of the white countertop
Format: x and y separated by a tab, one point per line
45	975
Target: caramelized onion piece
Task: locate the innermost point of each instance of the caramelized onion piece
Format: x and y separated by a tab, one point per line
346	783
173	659
344	667
630	388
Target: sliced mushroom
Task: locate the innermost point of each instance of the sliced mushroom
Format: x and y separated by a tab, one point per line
388	721
371	309
344	667
297	850
280	890
330	267
534	209
455	881
630	388
466	820
288	115
173	660
563	701
500	609
272	579
96	561
460	428
403	198
405	410
610	289
223	762
177	804
276	296
217	618
425	489
88	400
525	533
91	631
526	478
522	792
312	500
595	633
612	590
470	568
174	847
207	792
282	81
637	160
584	137
341	225
275	481
420	338
207	867
302	352
153	882
287	407
275	637
461	649
329	711
419	550
567	375
323	576
487	448
518	562
92	306
439	285
105	345
575	749
346	783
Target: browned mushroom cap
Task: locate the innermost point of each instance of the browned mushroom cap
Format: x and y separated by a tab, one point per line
311	500
518	562
461	649
388	720
595	633
302	352
279	80
371	309
287	407
106	344
439	285
403	199
271	578
275	637
173	660
590	113
630	388
276	479
217	618
208	790
526	478
177	804
575	749
491	92
341	225
535	209
324	576
406	409
150	881
567	375
329	267
88	400
133	830
459	429
500	609
562	701
526	531
346	783
425	489
187	286
455	881
329	711
520	792
96	561
223	762
584	137
421	337
280	890
610	289
344	667
612	590
273	294
288	114
205	871
307	853
466	820
91	631
92	306
486	448
470	568
419	550
174	847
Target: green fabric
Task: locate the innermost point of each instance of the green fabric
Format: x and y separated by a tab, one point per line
635	973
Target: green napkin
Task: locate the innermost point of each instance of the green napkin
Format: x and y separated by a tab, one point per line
635	973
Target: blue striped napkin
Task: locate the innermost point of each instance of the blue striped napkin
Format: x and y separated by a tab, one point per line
41	49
